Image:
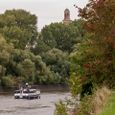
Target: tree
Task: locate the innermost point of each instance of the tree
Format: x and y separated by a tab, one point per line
5	50
19	27
41	46
58	62
95	56
60	36
27	70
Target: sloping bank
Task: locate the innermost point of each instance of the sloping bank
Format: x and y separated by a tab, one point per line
109	108
93	104
89	105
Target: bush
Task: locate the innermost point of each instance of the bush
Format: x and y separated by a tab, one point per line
85	107
61	109
7	81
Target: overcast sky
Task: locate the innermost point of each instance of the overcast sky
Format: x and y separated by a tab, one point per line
47	11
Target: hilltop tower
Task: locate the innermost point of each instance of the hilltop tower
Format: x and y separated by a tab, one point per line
67	19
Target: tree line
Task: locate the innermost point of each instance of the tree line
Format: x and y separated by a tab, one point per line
27	55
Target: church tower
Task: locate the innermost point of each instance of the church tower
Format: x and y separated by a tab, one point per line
67	19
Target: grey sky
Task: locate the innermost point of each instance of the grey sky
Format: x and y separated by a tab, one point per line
47	11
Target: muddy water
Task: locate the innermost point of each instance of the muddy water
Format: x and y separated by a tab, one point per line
43	106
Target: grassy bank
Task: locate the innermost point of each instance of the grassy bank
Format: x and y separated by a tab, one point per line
109	108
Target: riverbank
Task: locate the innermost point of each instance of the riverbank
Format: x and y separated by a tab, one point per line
94	104
109	108
43	88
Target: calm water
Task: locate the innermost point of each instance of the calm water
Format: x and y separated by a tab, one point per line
43	106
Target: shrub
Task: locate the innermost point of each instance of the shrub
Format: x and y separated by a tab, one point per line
61	108
7	81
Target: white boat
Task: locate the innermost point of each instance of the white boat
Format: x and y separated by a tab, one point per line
27	94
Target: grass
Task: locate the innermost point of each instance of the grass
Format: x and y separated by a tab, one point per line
93	104
109	108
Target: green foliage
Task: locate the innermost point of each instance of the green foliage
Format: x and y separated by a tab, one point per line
75	83
60	36
54	44
27	69
19	27
2	70
5	50
23	66
41	46
58	62
85	107
51	47
61	109
7	81
29	66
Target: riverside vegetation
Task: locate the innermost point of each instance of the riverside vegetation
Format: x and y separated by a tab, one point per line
92	71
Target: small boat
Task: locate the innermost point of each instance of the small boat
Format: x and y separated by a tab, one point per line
27	93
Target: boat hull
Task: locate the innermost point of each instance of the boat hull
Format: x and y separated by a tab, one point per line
31	94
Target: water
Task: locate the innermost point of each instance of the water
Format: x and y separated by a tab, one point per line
43	106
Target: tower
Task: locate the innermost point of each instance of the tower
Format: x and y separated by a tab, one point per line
66	16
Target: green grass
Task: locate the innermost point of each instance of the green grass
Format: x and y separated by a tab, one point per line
109	108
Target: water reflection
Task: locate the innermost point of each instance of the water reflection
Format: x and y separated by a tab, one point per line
43	106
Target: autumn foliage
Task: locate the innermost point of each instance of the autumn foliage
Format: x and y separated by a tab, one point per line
95	58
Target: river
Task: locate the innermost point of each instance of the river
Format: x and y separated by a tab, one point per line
43	106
